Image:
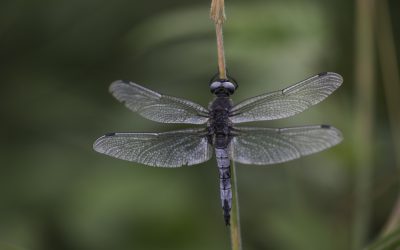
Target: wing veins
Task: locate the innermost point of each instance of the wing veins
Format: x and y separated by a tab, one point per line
286	102
153	105
262	146
168	149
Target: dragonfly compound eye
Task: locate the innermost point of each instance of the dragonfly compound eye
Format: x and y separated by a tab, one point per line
214	86
229	86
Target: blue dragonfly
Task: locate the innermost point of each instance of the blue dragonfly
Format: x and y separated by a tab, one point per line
219	132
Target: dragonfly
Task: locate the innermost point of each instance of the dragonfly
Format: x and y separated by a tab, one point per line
219	132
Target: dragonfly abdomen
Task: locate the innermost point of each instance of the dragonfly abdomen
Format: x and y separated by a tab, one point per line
219	128
224	182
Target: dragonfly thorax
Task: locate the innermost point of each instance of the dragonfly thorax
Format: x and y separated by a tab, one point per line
219	126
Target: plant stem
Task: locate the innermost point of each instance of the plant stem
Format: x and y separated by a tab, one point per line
364	110
221	51
217	14
391	84
236	240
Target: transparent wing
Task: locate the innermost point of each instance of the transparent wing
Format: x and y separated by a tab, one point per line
157	107
264	146
170	149
287	102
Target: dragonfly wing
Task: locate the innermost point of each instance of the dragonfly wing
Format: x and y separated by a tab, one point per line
288	101
169	149
262	146
157	107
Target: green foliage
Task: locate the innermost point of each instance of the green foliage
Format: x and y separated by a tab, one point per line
387	242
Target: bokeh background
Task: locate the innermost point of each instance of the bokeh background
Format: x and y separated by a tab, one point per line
58	58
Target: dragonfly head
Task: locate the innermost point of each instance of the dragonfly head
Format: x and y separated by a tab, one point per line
223	86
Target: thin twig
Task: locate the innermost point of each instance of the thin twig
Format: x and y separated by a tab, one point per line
217	14
391	84
236	239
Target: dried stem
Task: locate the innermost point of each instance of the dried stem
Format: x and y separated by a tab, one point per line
217	14
236	239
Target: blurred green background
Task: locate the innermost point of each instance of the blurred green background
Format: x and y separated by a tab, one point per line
58	58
